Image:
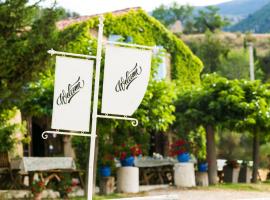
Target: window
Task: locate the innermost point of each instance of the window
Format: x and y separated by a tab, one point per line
115	38
162	68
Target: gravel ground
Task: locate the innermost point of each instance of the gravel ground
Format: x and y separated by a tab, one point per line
216	194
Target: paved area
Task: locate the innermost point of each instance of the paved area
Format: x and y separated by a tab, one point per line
215	194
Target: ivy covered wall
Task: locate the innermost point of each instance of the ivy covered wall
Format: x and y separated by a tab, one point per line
145	30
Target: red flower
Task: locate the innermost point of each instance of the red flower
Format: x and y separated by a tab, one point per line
123	155
179	147
69	189
123	151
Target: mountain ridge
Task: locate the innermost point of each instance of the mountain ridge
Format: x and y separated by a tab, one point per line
258	22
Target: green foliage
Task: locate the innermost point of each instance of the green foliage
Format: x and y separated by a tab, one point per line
64	185
157	115
38	186
206	19
234	145
81	146
235	65
143	29
23	47
156	110
198	139
209	19
168	15
40	94
265	155
211	50
7	128
234	104
255	107
264	63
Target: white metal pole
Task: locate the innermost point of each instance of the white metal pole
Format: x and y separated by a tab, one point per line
251	62
94	112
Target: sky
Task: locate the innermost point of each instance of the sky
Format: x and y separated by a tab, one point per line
90	7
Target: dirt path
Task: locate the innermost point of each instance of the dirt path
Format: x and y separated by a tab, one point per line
216	194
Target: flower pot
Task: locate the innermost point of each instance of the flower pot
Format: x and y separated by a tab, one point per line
183	157
184	174
63	195
105	171
202	167
127	179
38	196
245	174
231	174
127	162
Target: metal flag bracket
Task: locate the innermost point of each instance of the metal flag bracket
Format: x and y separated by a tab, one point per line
44	135
53	52
134	121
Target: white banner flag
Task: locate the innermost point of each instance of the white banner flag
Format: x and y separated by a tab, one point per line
126	76
72	94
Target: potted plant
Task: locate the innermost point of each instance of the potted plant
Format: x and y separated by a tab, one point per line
245	172
180	150
126	153
64	186
37	188
105	165
231	171
202	165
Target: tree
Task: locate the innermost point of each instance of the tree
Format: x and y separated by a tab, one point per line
234	145
218	102
211	50
264	63
164	15
256	116
235	65
24	41
168	15
210	105
209	19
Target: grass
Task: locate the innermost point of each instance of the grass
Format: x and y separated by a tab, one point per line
260	187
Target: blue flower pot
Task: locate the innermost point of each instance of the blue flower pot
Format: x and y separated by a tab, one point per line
202	167
127	162
184	157
105	171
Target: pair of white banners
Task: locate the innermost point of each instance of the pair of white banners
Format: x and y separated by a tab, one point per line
126	76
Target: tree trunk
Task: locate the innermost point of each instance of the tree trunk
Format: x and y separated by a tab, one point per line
211	155
256	147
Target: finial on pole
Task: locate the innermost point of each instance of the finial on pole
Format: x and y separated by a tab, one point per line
101	19
51	51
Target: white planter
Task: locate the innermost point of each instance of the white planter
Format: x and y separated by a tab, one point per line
202	179
184	175
128	179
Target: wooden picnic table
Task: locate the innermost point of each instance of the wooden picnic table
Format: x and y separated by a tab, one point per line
46	168
155	171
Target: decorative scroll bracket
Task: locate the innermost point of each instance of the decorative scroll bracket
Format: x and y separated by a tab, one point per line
44	135
134	121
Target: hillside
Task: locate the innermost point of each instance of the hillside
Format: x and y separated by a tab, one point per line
259	22
235	41
237	10
241	8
